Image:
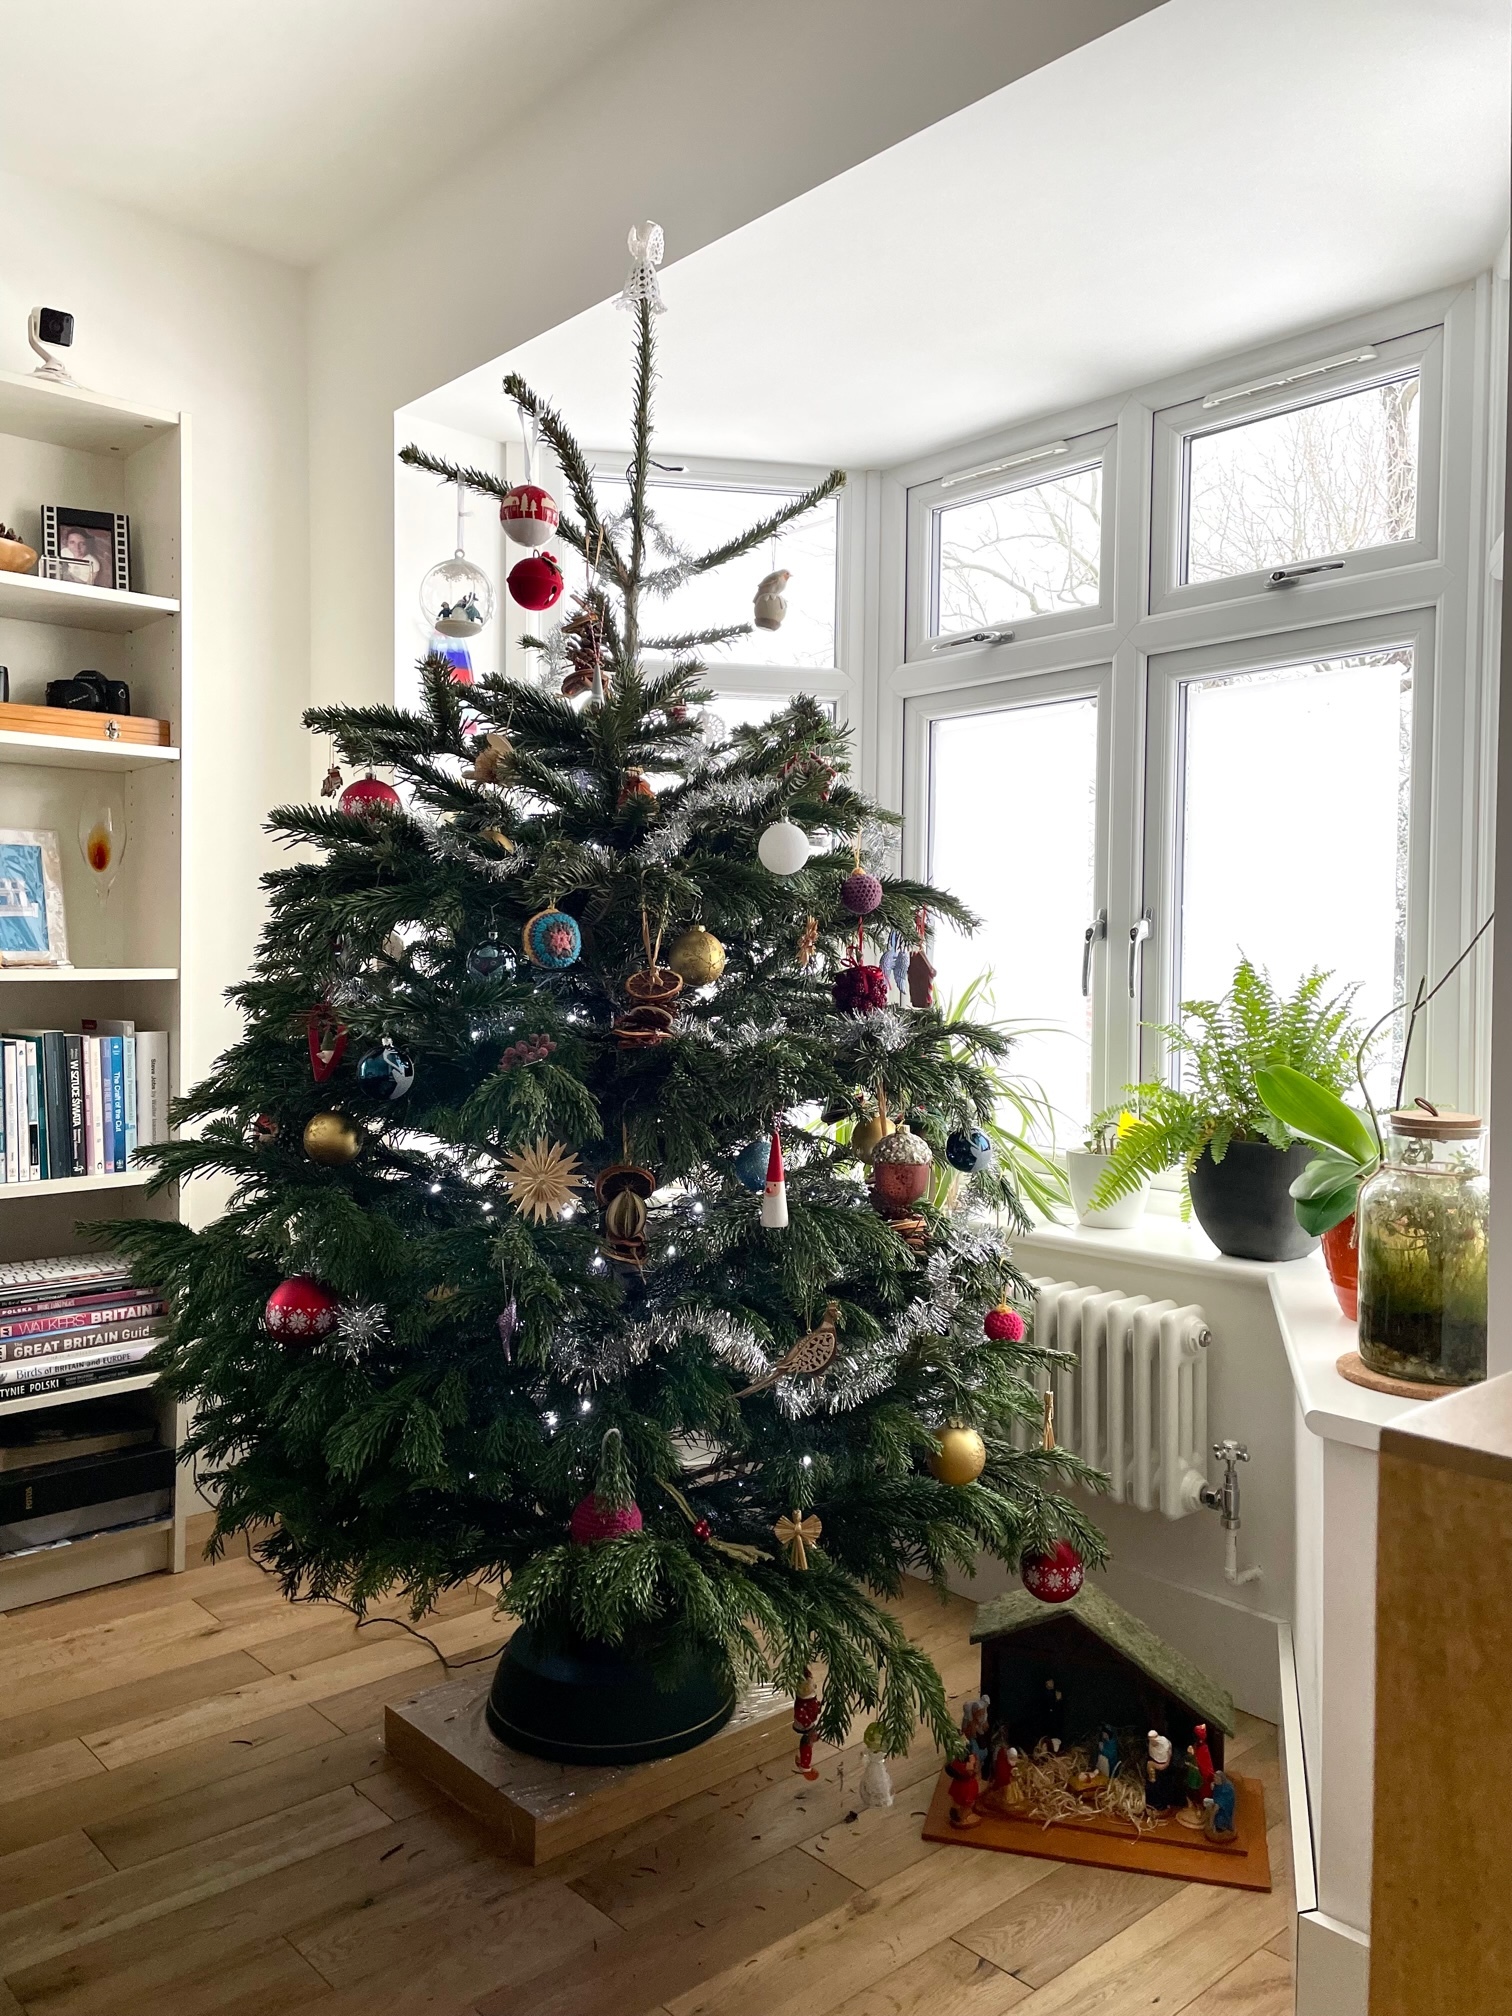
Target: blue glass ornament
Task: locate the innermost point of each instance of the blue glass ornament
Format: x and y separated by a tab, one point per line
485	960
386	1073
968	1151
750	1165
551	938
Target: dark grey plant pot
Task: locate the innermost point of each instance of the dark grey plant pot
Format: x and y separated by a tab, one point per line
1244	1204
584	1703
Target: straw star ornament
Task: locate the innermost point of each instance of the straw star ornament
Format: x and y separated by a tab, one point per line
541	1179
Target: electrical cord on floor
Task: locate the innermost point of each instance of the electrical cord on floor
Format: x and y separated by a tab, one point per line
477	1659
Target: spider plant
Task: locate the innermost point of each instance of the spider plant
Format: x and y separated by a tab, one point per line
1023	1117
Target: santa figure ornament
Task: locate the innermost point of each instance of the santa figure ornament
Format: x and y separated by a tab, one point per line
805	1715
774	1211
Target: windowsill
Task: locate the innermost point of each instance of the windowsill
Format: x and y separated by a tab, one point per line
1316	1335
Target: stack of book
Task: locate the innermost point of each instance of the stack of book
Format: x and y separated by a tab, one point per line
72	1322
78	1105
96	1467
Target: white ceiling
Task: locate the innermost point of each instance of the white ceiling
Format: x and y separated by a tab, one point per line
283	126
1207	177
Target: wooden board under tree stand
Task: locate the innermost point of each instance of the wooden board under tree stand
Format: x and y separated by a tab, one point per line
1056	1676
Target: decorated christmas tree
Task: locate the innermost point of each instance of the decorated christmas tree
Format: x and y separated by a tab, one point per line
606	1219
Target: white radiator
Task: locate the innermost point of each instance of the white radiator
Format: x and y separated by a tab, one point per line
1135	1402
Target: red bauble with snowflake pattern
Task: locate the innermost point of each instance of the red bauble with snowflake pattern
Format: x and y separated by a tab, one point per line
536	581
592	1521
300	1311
368	794
1054	1577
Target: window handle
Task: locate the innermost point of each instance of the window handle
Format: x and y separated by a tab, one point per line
1288	577
976	637
1098	928
1138	933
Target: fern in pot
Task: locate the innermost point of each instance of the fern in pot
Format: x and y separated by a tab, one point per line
1239	1158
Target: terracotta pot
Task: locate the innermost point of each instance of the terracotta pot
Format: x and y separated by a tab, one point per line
1341	1256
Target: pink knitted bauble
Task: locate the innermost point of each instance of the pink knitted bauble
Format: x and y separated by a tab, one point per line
1004	1325
592	1521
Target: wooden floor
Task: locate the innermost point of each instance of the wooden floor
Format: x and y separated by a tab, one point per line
196	1814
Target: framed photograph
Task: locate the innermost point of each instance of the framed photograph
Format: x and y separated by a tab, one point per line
91	548
32	927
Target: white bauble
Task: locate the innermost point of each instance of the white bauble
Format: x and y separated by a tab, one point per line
784	848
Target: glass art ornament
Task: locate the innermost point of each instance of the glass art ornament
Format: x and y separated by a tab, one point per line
552	939
485	960
456	597
332	1139
750	1165
386	1073
102	841
968	1150
961	1457
698	957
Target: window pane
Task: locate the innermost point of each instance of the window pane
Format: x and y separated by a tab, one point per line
1294	825
1030	551
1005	787
749	710
1333	477
695	517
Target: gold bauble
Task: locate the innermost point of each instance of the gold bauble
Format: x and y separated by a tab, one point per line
868	1135
333	1139
698	957
962	1457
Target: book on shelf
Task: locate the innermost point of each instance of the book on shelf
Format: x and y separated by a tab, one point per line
80	1104
69	1484
75	1348
38	1380
87	1428
75	1319
109	1351
60	1278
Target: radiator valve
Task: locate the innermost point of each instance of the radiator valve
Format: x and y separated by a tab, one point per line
1224	1499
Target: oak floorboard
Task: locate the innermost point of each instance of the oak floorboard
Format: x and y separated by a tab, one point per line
144	1593
1061	1920
166	1692
946	1980
28	1875
1259	1986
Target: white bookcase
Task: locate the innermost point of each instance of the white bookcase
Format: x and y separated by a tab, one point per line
62	445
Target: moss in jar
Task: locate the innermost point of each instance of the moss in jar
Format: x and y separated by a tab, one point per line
1423	1269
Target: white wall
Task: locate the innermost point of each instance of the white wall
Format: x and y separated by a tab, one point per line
176	321
714	116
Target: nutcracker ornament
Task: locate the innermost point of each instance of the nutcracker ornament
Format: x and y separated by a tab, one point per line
806	1706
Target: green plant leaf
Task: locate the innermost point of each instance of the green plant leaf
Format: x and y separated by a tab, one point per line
1325	1174
1318	1215
1312	1111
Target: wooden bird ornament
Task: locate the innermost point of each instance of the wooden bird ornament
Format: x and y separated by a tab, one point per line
812	1354
797	1534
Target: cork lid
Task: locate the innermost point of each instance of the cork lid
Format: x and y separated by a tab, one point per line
1422	1122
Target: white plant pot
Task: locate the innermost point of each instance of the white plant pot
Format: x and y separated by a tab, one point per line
1085	1171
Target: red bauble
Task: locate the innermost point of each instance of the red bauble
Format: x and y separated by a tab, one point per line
300	1310
1054	1577
536	582
529	514
368	794
1004	1325
860	990
592	1521
861	893
702	1530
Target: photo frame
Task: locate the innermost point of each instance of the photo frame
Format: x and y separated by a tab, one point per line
90	548
33	928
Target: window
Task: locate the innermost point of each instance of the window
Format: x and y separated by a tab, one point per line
1003	784
695	517
1286	852
1176	757
749	710
1335	476
1031	551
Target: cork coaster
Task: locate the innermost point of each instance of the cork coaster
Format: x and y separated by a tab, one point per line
1353	1368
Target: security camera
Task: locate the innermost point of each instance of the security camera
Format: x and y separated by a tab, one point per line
50	325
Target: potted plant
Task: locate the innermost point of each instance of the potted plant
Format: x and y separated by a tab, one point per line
1239	1159
1086	1166
1324	1196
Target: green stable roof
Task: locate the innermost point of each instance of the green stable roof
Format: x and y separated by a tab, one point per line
1114	1625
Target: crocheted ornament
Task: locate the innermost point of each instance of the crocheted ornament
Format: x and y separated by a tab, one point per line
860	990
552	938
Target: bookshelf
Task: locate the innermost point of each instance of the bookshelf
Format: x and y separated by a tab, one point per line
64	445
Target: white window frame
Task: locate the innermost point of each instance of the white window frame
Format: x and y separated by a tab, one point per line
1434	591
1013	467
1421	351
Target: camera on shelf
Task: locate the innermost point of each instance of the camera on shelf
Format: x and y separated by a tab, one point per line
90	693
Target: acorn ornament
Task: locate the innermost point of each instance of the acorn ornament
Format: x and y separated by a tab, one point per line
332	1139
961	1457
969	1150
783	848
529	514
901	1166
697	957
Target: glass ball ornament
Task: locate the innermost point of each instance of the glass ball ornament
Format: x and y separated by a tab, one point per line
783	848
301	1309
456	597
962	1455
386	1073
968	1150
332	1139
697	957
1055	1576
368	795
529	514
536	581
750	1165
485	960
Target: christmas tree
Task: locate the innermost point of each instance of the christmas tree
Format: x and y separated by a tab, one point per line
503	1287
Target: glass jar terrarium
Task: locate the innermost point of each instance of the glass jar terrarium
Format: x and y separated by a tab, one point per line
1422	1230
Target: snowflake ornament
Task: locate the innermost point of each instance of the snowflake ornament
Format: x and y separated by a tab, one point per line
541	1179
361	1327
